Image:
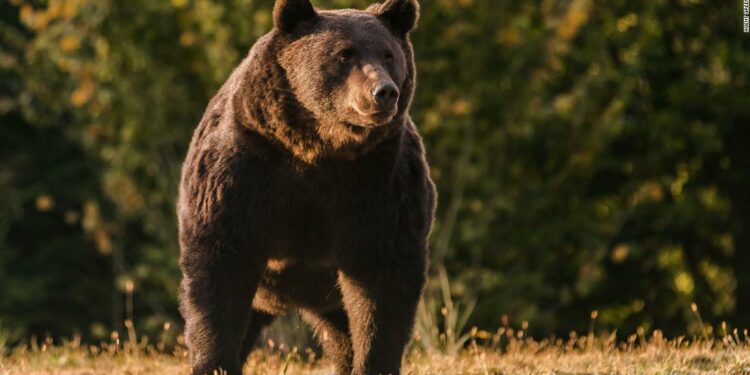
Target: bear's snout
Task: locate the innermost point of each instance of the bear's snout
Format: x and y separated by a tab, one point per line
377	105
385	96
373	94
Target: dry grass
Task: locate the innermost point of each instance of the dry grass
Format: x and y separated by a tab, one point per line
501	353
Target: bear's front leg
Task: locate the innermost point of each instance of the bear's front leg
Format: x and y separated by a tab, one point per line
215	298
381	297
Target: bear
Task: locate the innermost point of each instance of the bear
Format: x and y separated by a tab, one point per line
305	187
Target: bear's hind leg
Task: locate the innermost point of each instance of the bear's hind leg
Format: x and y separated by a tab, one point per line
332	331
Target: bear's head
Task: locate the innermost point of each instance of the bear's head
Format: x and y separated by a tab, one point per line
332	83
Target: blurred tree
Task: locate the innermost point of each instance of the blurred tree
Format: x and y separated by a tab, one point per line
578	148
49	270
736	184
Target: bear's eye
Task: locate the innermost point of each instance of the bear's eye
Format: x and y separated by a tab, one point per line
389	58
346	56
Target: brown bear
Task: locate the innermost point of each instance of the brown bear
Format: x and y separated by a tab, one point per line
306	187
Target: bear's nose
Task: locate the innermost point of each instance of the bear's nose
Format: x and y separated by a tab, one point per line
385	94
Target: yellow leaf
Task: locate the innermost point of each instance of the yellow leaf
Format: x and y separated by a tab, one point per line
620	253
26	14
45	203
187	39
683	282
69	8
83	93
103	242
90	216
69	43
53	8
576	16
461	107
625	23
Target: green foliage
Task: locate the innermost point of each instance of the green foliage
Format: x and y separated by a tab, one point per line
589	155
579	149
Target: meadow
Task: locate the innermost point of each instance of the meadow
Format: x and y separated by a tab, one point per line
502	352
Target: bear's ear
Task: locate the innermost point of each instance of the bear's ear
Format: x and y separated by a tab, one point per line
400	15
287	14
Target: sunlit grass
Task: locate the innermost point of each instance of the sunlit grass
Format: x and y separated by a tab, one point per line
442	344
502	352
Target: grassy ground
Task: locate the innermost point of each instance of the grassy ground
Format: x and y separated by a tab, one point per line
583	355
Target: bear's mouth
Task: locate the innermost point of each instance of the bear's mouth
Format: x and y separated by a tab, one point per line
357	129
372	119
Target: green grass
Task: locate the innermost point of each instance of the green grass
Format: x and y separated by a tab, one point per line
502	352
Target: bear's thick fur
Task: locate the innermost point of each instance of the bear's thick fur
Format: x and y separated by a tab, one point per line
306	187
